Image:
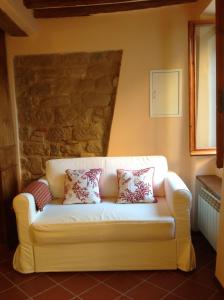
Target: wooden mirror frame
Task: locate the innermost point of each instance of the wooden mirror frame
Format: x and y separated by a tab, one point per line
192	88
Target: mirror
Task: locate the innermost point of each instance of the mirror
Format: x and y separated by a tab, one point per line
202	87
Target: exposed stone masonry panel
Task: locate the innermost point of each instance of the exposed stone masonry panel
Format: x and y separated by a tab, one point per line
65	106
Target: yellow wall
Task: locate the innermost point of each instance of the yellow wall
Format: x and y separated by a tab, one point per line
150	39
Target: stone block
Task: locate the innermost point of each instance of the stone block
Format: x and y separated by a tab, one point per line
71	149
114	56
114	69
97	57
64	85
40	133
41	90
38	136
96	99
32	148
86	85
76	100
88	131
115	81
36	61
37	176
24	133
26	102
108	113
95	147
38	139
59	134
42	117
55	150
35	101
76	72
24	78
46	75
87	154
96	119
99	112
98	70
25	163
86	116
39	117
66	115
74	59
55	101
26	178
36	165
44	159
104	84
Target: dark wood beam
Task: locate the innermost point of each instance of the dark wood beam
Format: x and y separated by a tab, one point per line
35	4
220	83
9	26
104	8
8	174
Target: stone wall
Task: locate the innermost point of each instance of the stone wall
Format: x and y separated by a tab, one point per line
65	106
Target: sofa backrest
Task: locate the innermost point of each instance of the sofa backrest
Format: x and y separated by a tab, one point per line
55	172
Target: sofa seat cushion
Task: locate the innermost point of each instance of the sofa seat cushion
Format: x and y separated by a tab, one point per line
106	221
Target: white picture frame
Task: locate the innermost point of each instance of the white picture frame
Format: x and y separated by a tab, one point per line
165	93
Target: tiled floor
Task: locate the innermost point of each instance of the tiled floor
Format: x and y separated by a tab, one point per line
137	285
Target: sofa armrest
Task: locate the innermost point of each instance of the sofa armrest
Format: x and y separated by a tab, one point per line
25	210
178	195
179	200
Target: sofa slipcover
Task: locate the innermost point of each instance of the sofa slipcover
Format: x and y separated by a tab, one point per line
106	236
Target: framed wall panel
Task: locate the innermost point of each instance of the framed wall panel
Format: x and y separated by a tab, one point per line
166	93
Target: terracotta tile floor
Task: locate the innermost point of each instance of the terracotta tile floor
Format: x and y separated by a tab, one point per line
137	285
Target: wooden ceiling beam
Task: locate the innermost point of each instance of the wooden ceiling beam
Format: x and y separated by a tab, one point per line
9	26
104	8
35	4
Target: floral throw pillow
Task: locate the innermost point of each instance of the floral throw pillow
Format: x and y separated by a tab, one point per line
82	186
135	186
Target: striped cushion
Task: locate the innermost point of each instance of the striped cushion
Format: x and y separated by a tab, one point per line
40	192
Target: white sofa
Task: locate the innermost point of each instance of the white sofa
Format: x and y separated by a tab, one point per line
106	236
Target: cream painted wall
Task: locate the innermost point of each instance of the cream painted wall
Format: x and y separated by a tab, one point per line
150	39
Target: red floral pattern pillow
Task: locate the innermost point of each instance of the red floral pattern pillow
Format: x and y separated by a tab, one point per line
135	186
82	186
